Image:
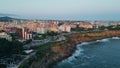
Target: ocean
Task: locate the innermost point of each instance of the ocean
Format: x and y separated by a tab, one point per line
103	53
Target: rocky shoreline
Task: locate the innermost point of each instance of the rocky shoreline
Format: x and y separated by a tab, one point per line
89	38
62	50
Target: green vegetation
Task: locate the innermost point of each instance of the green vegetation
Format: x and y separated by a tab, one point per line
3	66
111	27
42	51
40	37
43	36
28	41
27	63
52	33
8	48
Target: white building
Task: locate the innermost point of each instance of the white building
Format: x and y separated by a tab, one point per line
6	36
65	28
42	28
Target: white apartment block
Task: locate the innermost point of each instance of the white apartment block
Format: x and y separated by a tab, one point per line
65	28
6	36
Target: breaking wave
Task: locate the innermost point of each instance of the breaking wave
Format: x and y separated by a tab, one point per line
115	37
103	40
79	50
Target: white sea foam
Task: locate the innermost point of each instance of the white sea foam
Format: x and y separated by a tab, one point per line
85	43
115	38
103	40
79	50
76	54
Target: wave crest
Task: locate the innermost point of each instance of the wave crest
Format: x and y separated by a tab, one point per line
115	38
103	40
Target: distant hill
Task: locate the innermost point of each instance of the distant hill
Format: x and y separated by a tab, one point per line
7	19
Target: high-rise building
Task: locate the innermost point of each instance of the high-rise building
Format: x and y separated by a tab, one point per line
23	33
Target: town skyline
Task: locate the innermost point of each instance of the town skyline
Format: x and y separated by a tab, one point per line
44	33
62	9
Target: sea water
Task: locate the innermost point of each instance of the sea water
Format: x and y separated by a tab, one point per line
103	53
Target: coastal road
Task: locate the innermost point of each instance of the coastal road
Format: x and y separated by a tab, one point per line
38	42
27	57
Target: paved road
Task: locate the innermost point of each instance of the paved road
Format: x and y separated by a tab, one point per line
38	43
27	57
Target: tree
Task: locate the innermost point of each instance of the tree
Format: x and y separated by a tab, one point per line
52	33
8	48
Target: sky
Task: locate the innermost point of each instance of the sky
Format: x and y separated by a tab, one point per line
63	9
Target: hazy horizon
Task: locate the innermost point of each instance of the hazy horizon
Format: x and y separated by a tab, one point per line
63	9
